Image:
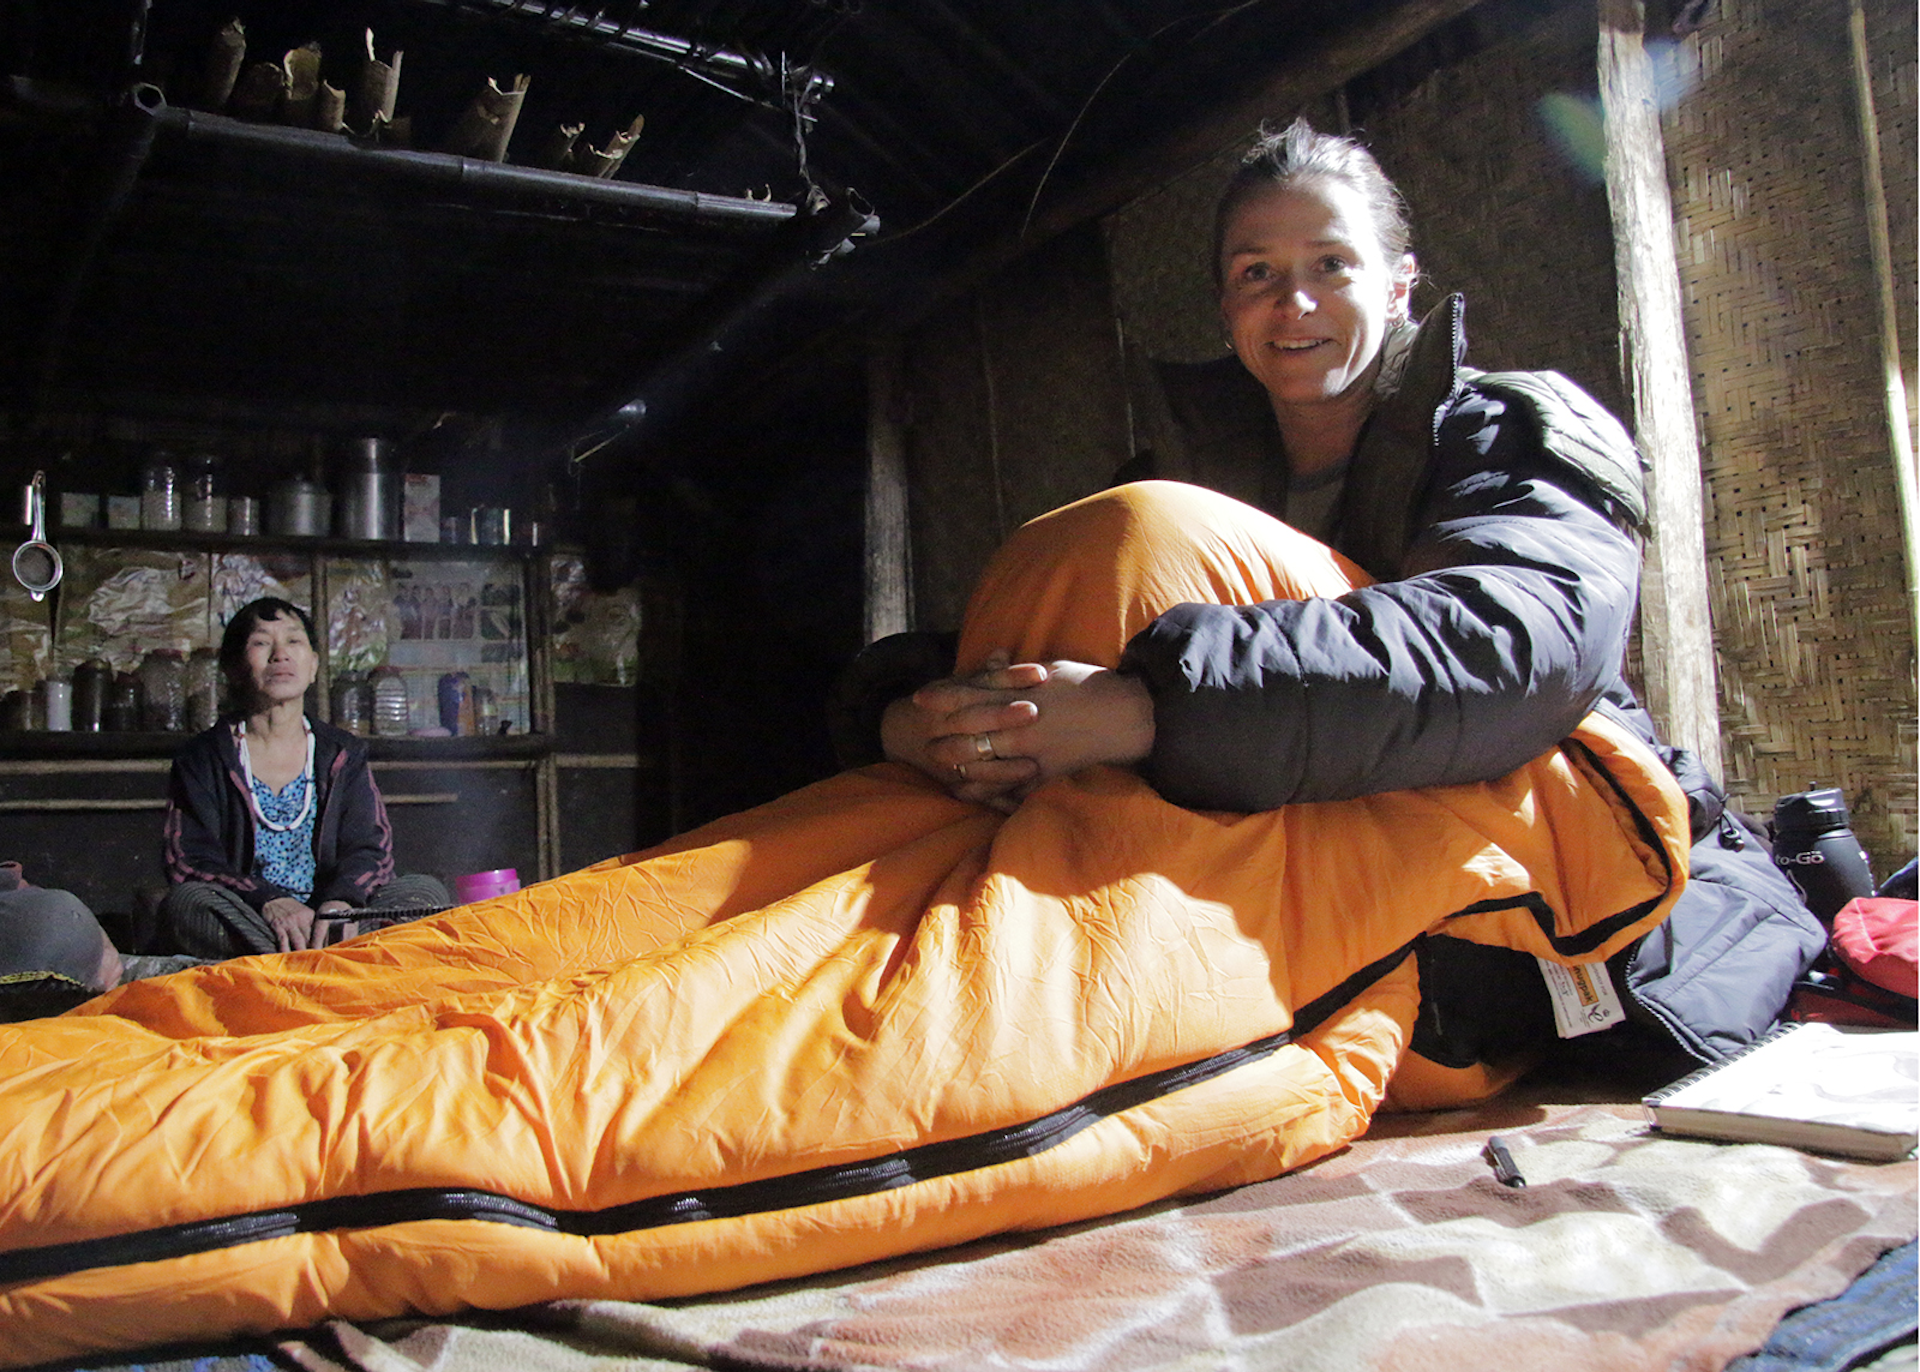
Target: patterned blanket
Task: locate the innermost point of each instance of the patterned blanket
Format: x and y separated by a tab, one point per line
1625	1250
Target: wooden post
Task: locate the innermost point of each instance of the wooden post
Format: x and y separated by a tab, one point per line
1899	434
889	596
1676	627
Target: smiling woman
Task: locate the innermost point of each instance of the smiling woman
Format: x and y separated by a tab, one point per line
272	817
1309	293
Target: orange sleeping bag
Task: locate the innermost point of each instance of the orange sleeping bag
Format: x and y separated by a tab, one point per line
861	1020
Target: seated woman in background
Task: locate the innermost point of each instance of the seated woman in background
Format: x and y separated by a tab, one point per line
273	817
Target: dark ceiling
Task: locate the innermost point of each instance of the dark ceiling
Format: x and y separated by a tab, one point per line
166	258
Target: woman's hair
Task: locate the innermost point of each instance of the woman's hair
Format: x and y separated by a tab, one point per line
1299	152
233	646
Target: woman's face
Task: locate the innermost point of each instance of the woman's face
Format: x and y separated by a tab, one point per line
280	661
1308	292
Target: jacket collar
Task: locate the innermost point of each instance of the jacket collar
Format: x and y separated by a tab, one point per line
1422	375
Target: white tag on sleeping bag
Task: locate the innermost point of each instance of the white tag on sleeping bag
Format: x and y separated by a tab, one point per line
1584	1001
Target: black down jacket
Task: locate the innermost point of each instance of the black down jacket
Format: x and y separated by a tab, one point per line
1501	513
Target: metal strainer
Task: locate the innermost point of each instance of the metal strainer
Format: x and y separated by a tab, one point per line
36	563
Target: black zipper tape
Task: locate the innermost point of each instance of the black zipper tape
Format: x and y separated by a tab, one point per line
793	1191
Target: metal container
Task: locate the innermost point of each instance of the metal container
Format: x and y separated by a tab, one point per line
92	681
297	508
369	503
493	525
243	516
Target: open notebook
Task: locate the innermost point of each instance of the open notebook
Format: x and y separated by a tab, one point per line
1850	1091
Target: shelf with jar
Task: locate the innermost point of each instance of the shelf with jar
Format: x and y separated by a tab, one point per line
121	654
475	635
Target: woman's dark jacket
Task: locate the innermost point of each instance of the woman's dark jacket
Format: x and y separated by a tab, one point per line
1501	513
210	827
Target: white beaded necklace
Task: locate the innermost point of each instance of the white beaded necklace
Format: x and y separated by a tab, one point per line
253	801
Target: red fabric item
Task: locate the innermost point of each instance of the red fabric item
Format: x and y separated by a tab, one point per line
1875	938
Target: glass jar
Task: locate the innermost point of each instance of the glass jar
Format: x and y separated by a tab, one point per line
392	712
352	702
59	696
203	689
92	682
163	691
16	710
204	510
123	704
160	492
486	711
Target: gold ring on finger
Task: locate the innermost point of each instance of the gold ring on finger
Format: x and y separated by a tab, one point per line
983	745
960	770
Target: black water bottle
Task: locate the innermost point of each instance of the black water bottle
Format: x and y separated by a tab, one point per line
1814	847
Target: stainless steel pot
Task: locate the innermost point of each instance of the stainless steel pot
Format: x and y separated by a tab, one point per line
296	508
36	563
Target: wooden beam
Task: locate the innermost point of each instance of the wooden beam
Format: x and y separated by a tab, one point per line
1676	626
1302	77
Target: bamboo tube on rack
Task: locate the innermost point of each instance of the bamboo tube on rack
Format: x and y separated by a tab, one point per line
302	65
557	151
371	101
329	109
261	90
225	57
486	127
593	162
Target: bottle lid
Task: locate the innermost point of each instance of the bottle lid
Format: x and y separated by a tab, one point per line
1811	811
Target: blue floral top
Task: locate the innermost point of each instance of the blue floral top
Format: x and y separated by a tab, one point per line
285	856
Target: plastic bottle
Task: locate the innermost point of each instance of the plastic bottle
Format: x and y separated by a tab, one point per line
392	713
163	688
456	704
351	704
1814	845
203	689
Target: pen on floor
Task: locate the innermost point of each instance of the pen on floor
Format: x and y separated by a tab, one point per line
1501	1161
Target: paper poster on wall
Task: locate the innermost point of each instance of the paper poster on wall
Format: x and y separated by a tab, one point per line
121	603
596	635
454	617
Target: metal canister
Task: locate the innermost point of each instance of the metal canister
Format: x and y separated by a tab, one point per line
369	493
297	508
243	516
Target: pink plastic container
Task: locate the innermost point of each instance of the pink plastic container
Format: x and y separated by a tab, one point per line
482	885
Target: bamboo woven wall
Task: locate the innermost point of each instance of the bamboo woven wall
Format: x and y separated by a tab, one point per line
1811	608
1496	153
1493	139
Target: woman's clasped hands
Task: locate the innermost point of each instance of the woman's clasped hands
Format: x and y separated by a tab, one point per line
996	736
